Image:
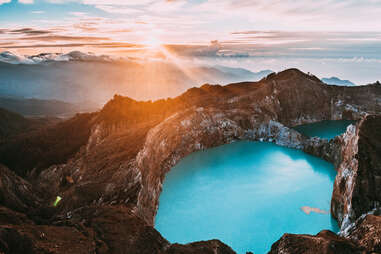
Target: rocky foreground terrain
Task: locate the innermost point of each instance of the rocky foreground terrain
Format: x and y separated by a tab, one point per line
109	166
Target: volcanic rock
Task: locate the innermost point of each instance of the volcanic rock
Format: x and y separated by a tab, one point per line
109	166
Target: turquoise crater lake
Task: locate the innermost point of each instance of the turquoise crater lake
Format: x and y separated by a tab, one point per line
247	194
324	129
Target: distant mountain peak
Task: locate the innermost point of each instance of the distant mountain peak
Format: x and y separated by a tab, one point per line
12	58
9	57
337	81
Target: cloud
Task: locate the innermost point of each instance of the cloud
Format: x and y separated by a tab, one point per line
122	9
105	2
28	31
350	15
7	44
86	26
78	13
166	6
309	35
26	1
117	2
72	45
130	6
65	38
287	44
242	27
334	15
211	50
4	1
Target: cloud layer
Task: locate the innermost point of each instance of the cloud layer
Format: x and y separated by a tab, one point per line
328	28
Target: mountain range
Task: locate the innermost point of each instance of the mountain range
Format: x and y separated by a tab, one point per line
338	82
9	57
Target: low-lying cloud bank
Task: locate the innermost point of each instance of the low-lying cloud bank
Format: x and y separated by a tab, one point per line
80	77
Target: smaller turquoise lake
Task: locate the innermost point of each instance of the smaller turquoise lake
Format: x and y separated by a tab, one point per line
247	194
324	129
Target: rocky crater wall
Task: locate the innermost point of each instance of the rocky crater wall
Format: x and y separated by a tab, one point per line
111	186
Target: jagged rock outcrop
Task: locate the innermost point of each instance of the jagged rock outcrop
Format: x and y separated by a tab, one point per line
111	178
207	247
35	239
326	242
366	232
16	193
102	230
363	236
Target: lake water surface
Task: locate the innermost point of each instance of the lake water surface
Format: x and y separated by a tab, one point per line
247	194
324	129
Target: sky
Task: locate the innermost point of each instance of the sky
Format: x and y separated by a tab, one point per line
344	30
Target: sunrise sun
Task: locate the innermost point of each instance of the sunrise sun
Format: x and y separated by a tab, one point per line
152	43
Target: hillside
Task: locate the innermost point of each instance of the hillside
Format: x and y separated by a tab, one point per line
41	108
12	124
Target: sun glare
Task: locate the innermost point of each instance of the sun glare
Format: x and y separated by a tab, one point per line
155	46
153	43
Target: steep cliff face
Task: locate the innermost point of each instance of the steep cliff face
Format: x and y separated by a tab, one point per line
357	188
117	174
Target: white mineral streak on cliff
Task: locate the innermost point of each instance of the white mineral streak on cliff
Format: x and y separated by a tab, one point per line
352	226
95	137
344	179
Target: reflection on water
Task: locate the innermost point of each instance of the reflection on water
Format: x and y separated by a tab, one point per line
246	194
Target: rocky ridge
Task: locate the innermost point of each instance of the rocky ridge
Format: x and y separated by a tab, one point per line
115	178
